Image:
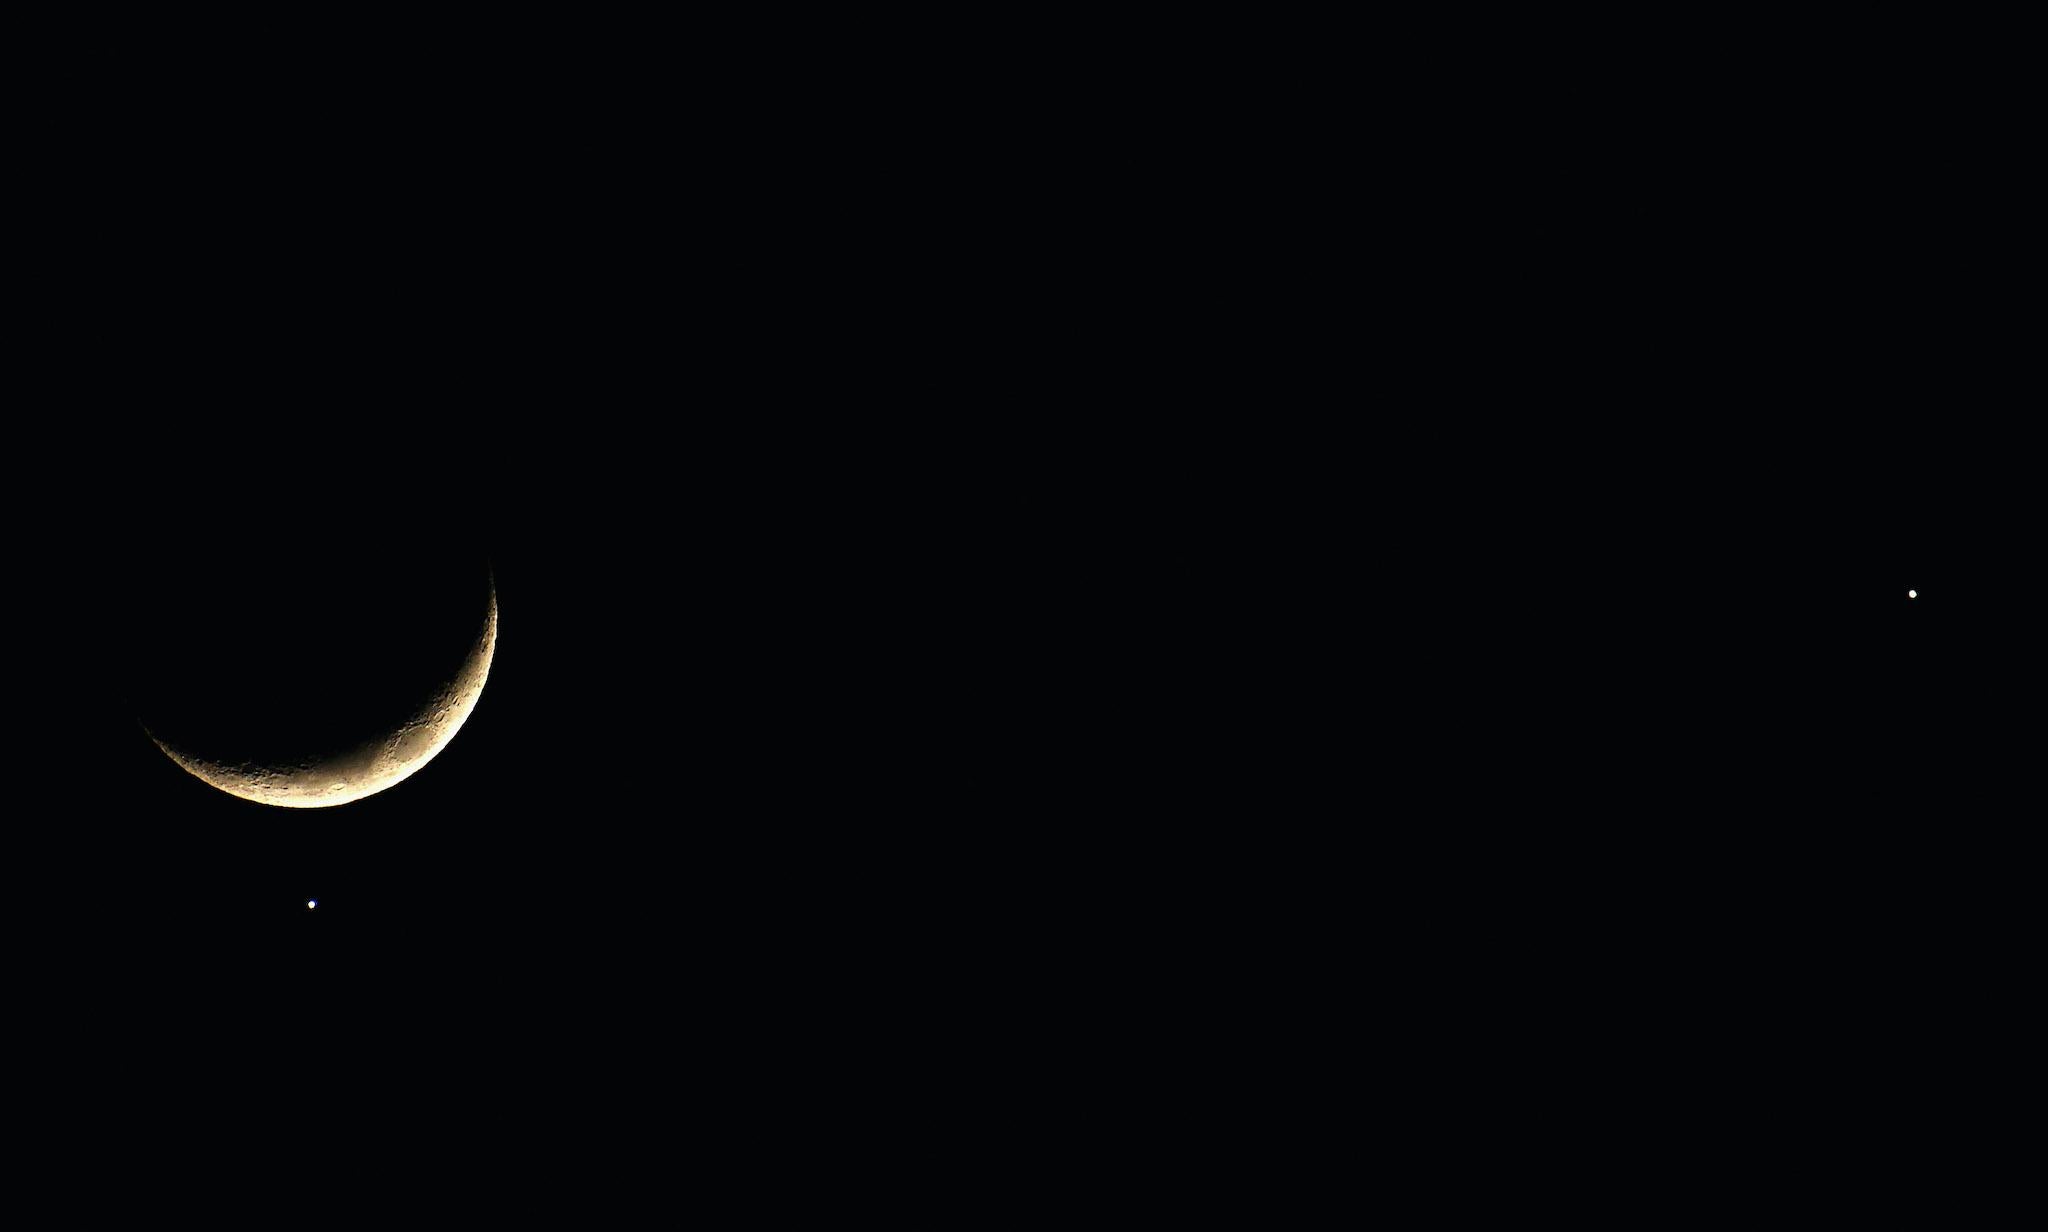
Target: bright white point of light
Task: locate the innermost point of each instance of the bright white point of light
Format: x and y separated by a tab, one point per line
311	903
1911	594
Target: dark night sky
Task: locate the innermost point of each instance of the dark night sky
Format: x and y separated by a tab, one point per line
838	732
1934	806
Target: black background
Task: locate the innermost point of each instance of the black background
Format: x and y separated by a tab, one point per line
814	751
1954	789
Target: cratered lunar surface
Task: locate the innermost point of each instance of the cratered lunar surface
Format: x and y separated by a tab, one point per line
310	689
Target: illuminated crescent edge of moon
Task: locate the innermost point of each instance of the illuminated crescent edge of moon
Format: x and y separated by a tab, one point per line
371	767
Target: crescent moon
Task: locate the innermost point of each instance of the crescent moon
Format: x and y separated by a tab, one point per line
376	765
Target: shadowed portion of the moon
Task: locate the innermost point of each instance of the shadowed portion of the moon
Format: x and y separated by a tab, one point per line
301	642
